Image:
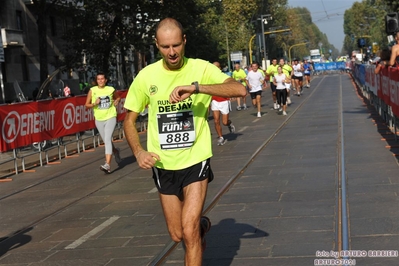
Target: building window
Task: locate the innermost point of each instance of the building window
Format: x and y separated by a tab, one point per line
19	20
53	26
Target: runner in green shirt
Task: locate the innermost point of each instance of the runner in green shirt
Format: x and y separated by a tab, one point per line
239	75
270	72
287	69
178	91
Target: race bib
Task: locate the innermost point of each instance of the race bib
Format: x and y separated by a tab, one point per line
105	102
176	130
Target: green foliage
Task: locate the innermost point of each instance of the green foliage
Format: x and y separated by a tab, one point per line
299	20
392	5
200	43
366	19
111	31
105	28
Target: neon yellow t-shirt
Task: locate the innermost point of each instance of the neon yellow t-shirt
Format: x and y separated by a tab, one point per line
106	109
271	71
287	69
179	133
240	74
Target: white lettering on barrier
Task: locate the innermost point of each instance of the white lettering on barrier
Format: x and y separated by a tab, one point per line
76	115
119	108
32	123
83	114
15	125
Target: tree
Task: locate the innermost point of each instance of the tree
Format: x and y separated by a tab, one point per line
365	19
109	33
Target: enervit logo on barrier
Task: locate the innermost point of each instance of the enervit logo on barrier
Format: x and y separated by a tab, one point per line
68	116
11	127
21	125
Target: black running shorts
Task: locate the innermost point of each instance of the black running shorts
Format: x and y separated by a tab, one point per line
254	94
272	86
172	182
298	78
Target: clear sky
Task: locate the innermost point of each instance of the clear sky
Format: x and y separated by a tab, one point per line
328	15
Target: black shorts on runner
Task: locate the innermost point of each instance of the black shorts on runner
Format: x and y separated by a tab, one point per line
298	78
254	94
272	86
307	74
172	182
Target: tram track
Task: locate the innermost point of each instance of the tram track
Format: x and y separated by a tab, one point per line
60	174
171	246
342	218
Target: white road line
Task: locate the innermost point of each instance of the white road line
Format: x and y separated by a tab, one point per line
242	129
99	228
153	190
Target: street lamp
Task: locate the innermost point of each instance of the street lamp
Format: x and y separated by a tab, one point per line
264	33
298	44
284	50
264	19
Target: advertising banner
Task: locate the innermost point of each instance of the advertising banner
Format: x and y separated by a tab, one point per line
25	123
329	66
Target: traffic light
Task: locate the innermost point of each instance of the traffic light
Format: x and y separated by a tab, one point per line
361	42
391	23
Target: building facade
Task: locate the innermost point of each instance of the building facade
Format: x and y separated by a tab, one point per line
19	32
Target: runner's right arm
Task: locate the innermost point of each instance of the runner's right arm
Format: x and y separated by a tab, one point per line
145	159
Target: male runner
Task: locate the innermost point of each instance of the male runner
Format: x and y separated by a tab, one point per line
178	136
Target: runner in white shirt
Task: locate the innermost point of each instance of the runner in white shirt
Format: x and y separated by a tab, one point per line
255	81
297	76
279	80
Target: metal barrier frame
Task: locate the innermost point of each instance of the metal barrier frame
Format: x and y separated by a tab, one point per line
14	159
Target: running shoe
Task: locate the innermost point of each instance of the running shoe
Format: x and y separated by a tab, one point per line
244	107
259	114
106	168
221	141
288	100
238	108
205	226
232	128
117	155
275	106
281	109
284	113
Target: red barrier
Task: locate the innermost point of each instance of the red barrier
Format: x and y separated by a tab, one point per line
394	90
384	86
25	123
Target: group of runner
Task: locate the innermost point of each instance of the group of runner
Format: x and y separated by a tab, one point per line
281	76
179	149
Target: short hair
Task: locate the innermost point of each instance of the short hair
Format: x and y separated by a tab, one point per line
216	63
169	23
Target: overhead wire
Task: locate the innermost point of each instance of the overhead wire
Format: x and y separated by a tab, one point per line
322	2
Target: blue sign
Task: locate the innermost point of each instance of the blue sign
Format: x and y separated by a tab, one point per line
329	66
